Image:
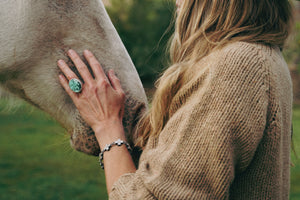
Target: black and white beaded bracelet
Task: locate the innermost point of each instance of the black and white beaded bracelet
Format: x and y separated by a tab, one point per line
119	142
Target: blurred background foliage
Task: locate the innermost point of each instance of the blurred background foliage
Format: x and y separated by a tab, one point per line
292	52
292	55
145	27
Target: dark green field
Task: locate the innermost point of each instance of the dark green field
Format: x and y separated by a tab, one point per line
37	162
295	171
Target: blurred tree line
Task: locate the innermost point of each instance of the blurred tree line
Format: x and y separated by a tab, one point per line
292	52
292	55
142	26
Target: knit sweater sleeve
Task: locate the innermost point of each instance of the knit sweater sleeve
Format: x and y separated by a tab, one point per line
216	124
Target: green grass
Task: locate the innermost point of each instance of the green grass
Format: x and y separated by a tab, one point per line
295	171
37	162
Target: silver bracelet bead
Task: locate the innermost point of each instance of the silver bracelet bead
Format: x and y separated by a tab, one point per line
107	147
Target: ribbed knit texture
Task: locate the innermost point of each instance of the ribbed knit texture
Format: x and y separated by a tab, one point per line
228	136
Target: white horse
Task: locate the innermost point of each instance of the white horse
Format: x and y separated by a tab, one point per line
34	34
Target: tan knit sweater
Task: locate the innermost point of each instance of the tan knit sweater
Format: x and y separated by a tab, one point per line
228	136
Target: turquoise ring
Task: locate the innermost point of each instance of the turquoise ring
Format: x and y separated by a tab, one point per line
75	85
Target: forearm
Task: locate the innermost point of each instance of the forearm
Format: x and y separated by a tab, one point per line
117	161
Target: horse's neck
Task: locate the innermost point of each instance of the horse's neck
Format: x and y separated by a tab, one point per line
32	28
35	34
39	32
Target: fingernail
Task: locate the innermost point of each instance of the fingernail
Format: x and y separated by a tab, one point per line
71	52
60	76
112	72
87	52
60	62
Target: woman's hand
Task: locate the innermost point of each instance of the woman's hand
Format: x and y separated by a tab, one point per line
101	104
101	101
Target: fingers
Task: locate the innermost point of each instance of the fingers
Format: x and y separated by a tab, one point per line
81	67
95	65
115	82
66	70
85	73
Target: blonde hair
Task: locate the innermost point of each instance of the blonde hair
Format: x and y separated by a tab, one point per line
202	26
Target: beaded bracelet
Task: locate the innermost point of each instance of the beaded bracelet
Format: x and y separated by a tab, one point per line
119	142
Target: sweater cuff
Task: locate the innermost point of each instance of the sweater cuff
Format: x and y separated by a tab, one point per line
120	187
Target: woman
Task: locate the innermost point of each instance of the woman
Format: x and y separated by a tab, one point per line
219	126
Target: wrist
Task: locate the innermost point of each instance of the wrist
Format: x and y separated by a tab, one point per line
108	133
106	126
111	145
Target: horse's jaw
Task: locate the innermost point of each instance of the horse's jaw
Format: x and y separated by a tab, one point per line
83	139
43	34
